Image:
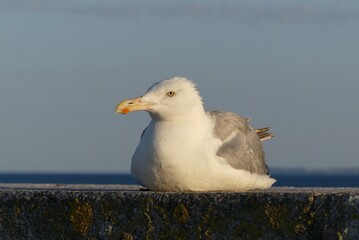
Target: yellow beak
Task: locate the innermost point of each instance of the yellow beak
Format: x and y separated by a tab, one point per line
131	105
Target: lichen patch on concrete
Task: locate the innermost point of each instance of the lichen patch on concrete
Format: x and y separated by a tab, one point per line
81	217
180	213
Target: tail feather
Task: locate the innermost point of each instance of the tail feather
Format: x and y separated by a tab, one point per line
264	134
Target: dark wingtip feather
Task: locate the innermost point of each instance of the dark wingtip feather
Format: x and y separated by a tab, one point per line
263	133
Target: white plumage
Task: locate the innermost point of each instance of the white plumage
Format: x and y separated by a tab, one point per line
185	148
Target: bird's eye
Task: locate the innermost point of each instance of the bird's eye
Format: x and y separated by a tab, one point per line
171	93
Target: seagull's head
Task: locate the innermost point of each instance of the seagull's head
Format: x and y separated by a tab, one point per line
171	98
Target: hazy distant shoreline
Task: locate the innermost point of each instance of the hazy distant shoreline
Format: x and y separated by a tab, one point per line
303	171
273	170
284	177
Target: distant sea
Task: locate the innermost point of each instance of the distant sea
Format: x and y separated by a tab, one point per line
290	178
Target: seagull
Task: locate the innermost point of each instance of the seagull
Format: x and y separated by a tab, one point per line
185	148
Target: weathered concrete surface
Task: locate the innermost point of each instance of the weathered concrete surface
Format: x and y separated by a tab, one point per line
123	212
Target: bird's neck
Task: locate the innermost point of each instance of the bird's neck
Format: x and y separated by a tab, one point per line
193	113
179	128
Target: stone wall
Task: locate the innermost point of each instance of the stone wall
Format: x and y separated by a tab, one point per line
124	212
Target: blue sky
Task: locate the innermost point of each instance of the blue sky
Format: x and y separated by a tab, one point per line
64	65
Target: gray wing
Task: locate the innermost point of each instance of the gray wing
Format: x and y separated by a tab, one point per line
241	145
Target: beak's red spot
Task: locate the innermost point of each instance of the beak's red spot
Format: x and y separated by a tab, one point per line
125	111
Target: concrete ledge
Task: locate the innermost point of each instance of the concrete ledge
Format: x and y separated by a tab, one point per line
123	212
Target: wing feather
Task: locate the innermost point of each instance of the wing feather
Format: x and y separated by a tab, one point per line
241	145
